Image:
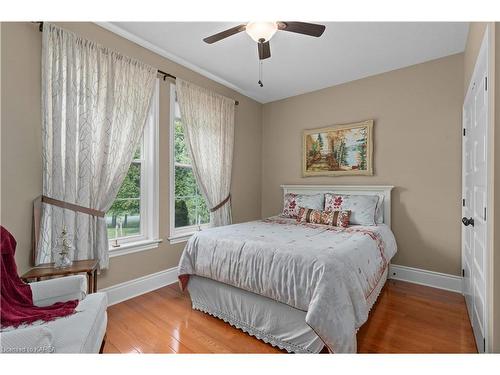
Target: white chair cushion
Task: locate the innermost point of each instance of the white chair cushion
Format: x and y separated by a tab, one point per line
62	289
83	331
32	339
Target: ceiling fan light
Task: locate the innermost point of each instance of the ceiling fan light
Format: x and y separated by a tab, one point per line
261	30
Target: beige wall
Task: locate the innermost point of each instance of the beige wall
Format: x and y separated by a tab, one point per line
21	177
417	142
21	144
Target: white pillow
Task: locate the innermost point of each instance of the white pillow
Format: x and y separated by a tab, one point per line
292	202
363	207
379	214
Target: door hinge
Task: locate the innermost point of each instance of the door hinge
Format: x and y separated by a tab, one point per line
485	83
463	202
484	345
464	132
485	214
463	272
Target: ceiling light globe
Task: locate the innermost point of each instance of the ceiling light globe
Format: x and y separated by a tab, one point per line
261	30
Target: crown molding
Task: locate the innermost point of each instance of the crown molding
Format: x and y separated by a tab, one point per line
172	57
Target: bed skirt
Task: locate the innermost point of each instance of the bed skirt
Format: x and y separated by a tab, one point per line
273	322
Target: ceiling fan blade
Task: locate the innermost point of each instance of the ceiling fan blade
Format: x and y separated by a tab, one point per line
311	29
224	34
264	50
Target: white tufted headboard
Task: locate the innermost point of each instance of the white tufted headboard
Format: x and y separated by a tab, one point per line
380	190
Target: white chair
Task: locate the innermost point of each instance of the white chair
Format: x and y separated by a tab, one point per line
82	332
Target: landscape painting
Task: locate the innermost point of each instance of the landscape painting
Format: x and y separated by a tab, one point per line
338	150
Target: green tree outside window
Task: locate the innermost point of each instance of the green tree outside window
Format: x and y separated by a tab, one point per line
190	206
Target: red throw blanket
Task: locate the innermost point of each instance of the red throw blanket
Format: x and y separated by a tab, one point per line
16	302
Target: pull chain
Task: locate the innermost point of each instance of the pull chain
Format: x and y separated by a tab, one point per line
260	74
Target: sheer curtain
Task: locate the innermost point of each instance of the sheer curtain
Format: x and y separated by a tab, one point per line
94	108
208	122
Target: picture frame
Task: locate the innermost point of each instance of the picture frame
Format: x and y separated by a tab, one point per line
338	150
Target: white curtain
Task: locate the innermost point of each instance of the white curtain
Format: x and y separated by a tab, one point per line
94	108
208	123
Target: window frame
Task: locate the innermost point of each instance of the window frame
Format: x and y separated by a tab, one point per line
181	234
149	210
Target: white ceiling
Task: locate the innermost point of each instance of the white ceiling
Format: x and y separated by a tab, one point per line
347	51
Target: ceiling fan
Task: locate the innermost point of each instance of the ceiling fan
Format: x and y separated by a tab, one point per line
262	32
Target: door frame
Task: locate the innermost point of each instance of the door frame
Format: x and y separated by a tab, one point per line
485	46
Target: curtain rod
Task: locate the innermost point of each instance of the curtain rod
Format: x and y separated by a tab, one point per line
160	72
165	75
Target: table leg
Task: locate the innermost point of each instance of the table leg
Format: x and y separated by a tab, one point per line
95	281
89	286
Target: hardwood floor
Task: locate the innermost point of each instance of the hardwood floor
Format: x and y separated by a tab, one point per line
407	318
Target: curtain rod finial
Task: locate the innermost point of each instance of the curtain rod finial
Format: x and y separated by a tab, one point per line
40	25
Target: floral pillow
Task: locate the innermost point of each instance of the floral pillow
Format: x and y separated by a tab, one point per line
334	218
363	207
293	202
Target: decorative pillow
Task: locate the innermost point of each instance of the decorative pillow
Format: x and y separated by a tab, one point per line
335	218
293	201
363	207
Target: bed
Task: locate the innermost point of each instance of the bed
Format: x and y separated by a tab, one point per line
297	286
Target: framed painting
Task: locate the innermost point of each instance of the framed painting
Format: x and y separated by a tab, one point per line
338	150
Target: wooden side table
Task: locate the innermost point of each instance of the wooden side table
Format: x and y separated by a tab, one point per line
88	267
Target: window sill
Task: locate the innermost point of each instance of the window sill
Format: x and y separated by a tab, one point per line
181	237
184	233
133	247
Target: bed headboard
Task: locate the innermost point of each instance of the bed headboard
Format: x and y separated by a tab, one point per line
380	190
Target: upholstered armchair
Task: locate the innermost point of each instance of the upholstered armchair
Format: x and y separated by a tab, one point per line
82	332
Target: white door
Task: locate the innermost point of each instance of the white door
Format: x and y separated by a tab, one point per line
474	193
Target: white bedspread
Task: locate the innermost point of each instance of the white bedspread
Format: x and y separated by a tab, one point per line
332	273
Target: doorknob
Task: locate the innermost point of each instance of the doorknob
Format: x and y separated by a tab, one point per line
469	221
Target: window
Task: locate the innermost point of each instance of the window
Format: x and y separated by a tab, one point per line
190	211
124	216
132	220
